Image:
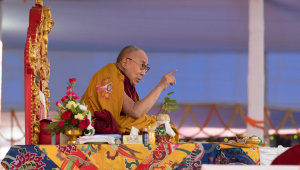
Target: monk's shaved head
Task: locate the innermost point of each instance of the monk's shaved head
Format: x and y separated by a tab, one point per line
133	62
127	50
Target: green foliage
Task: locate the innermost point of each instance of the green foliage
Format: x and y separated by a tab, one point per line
57	117
170	105
53	128
78	110
84	113
73	109
82	103
51	125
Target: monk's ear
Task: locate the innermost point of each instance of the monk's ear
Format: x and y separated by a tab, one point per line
124	63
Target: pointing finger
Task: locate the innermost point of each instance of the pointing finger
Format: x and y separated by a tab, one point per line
171	72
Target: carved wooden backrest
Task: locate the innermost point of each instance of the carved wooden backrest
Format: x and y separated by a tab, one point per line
37	71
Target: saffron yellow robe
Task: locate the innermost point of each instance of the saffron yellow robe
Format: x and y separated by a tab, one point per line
106	91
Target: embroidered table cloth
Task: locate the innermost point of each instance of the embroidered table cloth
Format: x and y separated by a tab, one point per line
130	156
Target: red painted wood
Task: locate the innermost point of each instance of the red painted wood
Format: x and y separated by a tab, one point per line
34	23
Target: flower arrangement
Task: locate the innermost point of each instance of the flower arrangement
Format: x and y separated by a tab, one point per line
72	114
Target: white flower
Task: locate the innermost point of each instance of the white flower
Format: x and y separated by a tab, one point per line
82	107
79	116
70	103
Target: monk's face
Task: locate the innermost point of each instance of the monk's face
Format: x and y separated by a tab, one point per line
136	63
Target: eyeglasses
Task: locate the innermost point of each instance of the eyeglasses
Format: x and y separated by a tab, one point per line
143	66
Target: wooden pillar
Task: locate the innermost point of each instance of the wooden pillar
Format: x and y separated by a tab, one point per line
256	74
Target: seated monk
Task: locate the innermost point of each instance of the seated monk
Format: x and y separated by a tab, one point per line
111	94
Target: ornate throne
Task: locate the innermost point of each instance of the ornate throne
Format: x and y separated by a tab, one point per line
36	71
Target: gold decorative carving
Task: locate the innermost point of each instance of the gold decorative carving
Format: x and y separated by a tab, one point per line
47	95
36	129
40	69
39	2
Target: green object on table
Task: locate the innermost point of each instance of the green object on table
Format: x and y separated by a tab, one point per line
260	143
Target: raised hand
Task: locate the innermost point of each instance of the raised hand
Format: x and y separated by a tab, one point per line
140	108
167	79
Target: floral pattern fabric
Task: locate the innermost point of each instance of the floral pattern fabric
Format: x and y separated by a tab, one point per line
128	157
242	156
27	157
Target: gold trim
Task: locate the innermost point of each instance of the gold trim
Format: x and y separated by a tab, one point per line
39	2
40	69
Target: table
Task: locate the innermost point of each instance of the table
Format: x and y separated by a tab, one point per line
130	156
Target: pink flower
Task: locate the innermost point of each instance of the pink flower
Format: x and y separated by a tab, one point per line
81	125
72	80
69	88
64	99
69	93
76	97
74	121
59	105
66	115
93	124
61	123
74	94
